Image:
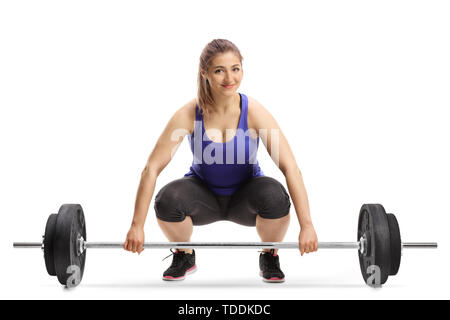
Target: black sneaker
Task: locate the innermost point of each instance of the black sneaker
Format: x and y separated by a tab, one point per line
182	264
269	267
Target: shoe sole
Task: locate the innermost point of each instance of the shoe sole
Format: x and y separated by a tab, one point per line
188	271
271	280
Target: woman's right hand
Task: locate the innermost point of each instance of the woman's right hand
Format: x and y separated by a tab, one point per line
135	240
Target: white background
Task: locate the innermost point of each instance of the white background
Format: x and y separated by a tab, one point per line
359	88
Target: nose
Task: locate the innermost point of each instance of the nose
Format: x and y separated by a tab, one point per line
228	78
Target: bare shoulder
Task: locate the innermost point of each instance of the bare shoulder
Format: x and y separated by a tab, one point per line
258	116
185	116
252	114
189	107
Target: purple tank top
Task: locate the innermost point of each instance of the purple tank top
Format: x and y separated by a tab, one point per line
223	167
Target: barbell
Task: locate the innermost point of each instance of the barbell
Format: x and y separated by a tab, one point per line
378	243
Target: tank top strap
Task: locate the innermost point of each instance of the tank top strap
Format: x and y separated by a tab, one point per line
198	115
198	122
244	110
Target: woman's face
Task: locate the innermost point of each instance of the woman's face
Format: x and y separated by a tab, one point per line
225	74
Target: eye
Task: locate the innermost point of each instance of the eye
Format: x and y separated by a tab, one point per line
218	70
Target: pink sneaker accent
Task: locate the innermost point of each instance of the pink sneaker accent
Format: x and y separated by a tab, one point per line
188	271
273	279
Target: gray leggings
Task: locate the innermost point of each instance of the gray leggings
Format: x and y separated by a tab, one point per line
189	196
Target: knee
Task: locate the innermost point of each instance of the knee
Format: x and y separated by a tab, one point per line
170	202
273	201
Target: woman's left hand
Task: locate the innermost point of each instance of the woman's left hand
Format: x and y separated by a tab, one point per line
307	240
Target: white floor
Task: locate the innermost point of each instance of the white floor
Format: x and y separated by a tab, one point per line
225	274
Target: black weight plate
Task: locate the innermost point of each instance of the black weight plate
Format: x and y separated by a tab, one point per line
69	264
49	237
396	244
374	224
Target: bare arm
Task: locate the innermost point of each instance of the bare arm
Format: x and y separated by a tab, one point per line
180	124
165	148
281	153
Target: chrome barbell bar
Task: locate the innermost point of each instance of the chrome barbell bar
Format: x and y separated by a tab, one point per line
228	245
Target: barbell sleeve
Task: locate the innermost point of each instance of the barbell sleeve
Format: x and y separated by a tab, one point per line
26	245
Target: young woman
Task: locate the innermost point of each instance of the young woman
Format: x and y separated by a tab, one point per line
225	181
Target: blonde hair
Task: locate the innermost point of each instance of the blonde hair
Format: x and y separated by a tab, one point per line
211	50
